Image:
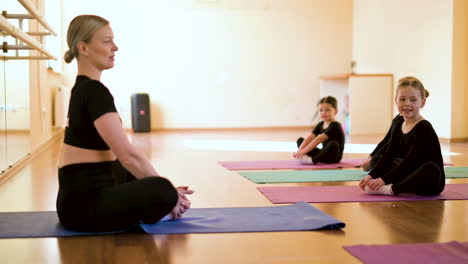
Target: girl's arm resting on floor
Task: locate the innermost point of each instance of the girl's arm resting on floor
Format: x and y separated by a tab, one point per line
110	129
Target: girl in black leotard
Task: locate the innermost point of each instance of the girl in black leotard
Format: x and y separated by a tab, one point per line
380	149
328	132
412	160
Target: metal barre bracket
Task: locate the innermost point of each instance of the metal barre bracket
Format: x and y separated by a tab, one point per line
6	47
9	29
16	16
5	58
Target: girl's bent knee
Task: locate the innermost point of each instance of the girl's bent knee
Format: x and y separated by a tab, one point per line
431	166
334	143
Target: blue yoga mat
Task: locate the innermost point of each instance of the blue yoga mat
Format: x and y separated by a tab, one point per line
296	217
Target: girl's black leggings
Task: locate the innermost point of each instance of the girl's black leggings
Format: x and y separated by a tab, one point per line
427	179
328	154
99	197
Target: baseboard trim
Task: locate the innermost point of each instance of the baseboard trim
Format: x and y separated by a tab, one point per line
458	140
17	166
24	131
210	129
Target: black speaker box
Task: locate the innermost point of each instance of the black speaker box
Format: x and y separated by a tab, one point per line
141	120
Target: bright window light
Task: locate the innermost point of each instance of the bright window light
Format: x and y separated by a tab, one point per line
276	146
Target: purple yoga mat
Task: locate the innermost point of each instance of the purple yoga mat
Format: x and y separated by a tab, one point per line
286	164
335	194
427	253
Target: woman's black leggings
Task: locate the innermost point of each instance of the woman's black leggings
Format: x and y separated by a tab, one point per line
328	154
99	197
427	179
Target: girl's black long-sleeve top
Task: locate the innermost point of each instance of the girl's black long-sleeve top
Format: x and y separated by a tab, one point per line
418	146
382	146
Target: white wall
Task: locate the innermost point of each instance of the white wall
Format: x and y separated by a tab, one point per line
225	64
409	38
52	14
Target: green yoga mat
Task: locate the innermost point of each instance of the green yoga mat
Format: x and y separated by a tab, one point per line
328	175
456	172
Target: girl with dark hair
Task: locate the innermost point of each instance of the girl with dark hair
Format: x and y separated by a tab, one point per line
327	132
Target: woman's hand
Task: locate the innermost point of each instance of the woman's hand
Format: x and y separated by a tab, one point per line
363	182
183	203
375	184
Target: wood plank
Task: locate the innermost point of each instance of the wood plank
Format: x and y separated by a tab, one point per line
35	186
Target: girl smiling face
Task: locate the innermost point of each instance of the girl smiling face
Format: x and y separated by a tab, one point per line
409	101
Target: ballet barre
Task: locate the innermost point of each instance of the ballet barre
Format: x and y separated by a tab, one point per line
21	37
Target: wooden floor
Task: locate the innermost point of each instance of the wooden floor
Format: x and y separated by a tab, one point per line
34	189
14	145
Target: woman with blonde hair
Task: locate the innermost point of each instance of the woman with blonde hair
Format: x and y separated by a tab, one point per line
105	184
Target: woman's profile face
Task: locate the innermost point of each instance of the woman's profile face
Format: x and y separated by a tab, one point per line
101	48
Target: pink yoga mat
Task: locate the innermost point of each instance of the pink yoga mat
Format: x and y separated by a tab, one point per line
336	194
427	253
286	164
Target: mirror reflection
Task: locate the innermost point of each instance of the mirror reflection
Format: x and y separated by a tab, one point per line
14	96
17	123
3	156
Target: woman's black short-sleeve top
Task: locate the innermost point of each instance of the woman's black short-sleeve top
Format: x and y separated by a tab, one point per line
89	100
